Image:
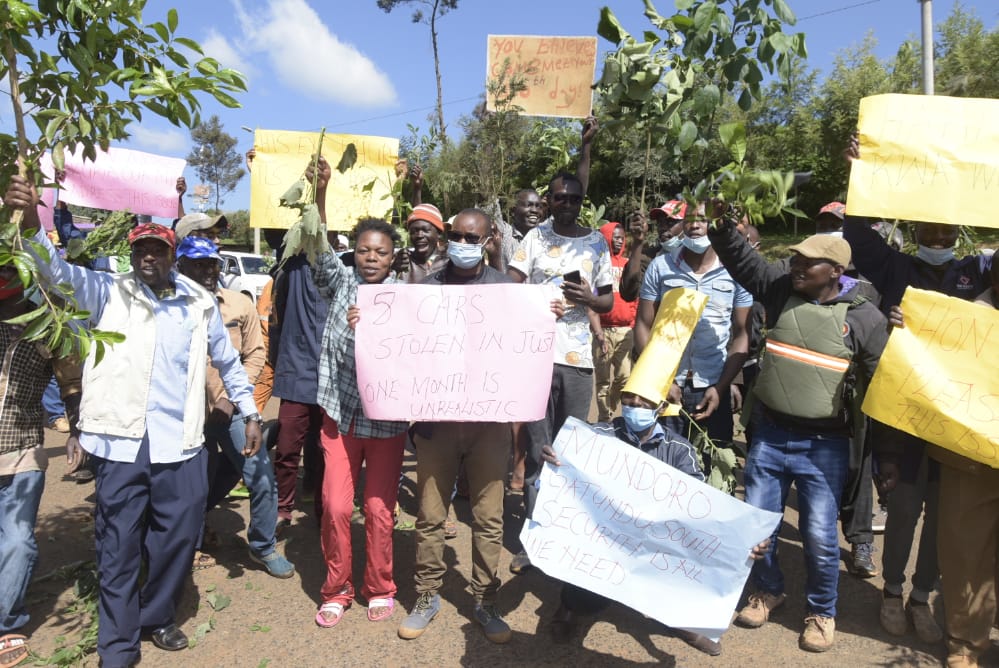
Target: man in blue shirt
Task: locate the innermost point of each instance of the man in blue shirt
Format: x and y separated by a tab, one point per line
147	442
718	348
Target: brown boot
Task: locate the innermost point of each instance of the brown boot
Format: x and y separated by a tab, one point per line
819	634
757	611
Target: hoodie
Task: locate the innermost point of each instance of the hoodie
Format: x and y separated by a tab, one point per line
623	312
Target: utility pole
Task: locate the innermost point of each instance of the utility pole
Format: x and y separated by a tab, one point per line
927	45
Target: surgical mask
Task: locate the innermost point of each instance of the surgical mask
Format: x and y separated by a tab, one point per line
464	256
832	233
671	244
697	244
935	256
637	418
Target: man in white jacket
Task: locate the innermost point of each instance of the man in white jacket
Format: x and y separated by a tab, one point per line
142	419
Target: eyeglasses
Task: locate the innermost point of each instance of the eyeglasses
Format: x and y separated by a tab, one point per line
458	237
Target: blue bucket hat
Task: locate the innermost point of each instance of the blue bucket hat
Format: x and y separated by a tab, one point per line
198	248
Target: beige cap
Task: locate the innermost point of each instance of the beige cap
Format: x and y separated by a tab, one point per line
824	247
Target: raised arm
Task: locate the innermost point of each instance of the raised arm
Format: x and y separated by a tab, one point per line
91	288
590	127
631	277
745	265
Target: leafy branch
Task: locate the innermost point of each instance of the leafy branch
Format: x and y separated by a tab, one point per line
308	234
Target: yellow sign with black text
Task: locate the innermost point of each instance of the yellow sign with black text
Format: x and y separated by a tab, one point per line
937	378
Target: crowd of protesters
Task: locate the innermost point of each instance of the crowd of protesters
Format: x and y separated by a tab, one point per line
790	346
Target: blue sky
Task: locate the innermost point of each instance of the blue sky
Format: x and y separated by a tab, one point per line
348	66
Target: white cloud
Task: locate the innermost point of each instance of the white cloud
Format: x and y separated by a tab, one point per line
218	47
165	142
312	60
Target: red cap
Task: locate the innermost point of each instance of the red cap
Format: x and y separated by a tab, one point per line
837	209
675	209
154	231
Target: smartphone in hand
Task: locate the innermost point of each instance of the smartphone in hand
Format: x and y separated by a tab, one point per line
573	277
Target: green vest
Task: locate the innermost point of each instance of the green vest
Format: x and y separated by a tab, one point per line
805	363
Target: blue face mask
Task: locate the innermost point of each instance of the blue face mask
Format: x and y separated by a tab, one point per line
638	419
464	256
697	244
671	244
935	256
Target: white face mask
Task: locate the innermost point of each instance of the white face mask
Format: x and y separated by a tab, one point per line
671	244
465	256
833	233
697	245
935	256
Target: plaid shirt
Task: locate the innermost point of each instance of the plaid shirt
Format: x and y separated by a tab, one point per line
338	393
24	374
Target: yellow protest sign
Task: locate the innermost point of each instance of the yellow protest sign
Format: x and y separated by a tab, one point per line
678	314
927	158
937	380
362	191
558	72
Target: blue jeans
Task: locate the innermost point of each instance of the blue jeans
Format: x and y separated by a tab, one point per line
19	498
52	402
258	474
817	465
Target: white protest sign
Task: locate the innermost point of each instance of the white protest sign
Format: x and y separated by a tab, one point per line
620	523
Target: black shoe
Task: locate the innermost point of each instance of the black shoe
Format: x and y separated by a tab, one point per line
564	625
170	638
861	562
520	563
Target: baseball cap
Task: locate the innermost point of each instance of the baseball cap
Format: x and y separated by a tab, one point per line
152	231
824	247
198	248
429	213
674	209
837	209
193	222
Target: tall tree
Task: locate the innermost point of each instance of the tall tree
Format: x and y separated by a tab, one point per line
435	10
215	159
82	71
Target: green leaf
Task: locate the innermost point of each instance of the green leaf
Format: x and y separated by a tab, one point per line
784	12
609	27
706	99
683	5
688	133
704	16
218	601
733	137
294	193
745	100
27	317
172	20
37	328
348	159
161	30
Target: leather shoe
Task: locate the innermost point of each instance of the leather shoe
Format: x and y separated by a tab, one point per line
169	638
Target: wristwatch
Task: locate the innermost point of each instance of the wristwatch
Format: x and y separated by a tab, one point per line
254	417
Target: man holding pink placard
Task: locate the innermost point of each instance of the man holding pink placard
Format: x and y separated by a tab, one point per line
441	447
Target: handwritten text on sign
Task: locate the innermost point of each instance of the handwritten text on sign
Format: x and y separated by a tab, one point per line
361	191
475	353
558	72
927	158
936	378
121	179
616	521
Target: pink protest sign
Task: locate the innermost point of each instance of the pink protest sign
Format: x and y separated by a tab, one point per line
121	179
471	353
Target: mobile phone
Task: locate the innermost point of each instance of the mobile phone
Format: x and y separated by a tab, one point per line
572	277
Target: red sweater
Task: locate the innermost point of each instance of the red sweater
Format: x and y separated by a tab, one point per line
623	313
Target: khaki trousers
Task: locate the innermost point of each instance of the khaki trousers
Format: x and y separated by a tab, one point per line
485	449
611	372
967	544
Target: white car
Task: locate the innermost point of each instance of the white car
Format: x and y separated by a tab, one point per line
245	272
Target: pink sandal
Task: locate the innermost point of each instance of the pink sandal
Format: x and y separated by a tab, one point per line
337	610
379	604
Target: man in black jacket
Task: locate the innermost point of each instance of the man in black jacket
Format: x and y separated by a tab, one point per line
821	341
